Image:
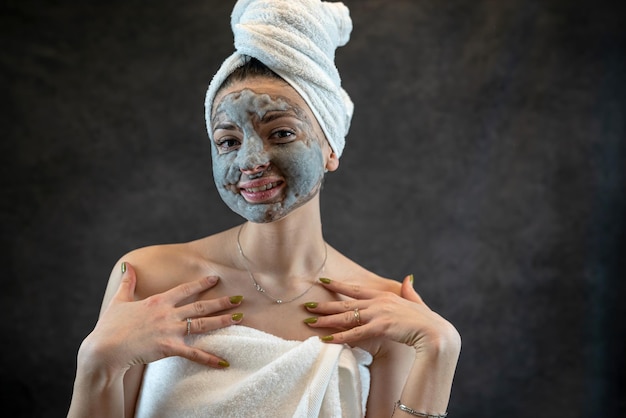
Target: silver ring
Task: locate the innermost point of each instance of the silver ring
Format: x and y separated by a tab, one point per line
357	316
188	326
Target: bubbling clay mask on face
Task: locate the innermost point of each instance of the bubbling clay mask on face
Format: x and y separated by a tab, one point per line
298	163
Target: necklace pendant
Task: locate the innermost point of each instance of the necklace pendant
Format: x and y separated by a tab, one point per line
279	301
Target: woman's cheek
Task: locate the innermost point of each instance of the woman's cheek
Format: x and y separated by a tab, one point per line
304	169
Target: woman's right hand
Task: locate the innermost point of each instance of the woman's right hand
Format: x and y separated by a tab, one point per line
131	332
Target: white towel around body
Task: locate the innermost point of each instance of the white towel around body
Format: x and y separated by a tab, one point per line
268	377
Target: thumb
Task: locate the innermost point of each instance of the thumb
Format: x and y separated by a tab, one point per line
126	290
408	292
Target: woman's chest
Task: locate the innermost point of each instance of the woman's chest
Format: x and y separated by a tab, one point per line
285	320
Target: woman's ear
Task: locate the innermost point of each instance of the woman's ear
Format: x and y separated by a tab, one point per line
332	162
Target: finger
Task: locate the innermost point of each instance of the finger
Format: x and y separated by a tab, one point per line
349	336
197	355
210	323
126	290
344	320
407	291
334	307
208	307
185	290
353	290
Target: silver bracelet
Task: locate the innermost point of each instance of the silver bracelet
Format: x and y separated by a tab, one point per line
417	413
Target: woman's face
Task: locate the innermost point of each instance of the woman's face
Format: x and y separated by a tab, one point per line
269	152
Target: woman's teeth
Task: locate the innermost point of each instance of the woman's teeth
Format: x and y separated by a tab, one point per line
261	188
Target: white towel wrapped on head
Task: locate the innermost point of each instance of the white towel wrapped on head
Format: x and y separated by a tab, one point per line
268	377
297	40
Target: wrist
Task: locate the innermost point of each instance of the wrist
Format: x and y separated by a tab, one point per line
444	342
95	362
400	406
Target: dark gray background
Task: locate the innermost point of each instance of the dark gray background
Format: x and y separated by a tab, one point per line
486	156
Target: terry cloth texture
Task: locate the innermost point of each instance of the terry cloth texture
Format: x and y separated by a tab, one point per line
268	377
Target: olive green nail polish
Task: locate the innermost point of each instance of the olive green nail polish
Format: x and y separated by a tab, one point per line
237	316
324	280
411	278
311	320
311	304
235	299
223	363
327	338
124	267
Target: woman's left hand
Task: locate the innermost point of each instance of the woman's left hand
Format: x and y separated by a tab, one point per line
403	318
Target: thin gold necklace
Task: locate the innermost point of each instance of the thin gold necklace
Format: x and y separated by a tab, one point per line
260	288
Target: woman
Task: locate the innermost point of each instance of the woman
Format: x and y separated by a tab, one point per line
266	319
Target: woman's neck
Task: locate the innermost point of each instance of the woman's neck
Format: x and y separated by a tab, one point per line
288	250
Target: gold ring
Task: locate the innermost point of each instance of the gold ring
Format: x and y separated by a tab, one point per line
357	316
188	326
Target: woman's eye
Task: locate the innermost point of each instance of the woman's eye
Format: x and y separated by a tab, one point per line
227	144
283	135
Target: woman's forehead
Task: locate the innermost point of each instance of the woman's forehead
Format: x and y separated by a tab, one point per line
273	87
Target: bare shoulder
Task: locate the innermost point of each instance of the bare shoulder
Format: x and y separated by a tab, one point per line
383	284
164	266
353	272
161	267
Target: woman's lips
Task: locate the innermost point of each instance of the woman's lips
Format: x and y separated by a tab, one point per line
256	192
261	188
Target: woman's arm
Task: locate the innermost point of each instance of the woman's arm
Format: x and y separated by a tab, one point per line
427	388
130	334
98	390
389	371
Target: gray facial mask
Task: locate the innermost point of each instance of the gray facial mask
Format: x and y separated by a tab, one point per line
298	163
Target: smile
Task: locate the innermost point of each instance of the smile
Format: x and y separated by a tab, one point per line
262	188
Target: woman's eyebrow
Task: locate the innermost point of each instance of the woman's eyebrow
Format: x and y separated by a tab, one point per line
272	115
225	125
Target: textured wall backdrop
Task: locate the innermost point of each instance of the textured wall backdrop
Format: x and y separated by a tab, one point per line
486	156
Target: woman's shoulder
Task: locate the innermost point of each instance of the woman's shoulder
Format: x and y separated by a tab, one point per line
374	281
353	272
161	267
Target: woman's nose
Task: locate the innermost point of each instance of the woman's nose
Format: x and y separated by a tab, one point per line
255	168
252	158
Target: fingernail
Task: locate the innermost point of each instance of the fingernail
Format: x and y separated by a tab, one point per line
411	278
123	267
311	320
327	338
236	317
223	363
311	304
324	280
235	300
212	279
